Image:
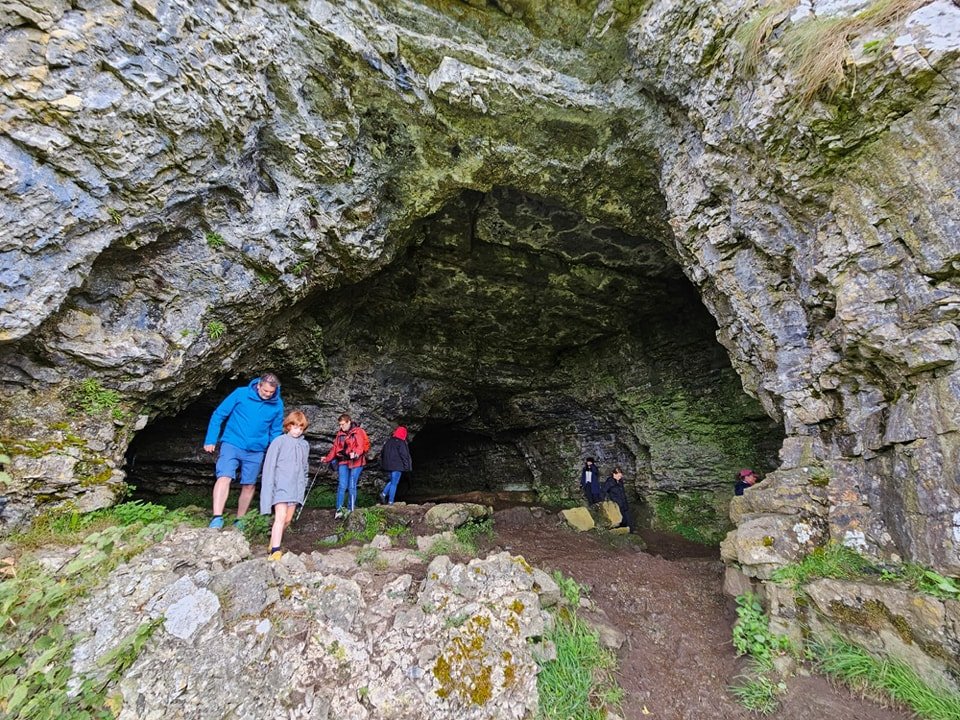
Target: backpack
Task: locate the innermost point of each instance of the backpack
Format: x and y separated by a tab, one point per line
361	437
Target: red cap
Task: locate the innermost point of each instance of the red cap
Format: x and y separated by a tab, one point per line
400	432
745	472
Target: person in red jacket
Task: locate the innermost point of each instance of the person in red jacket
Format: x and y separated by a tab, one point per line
347	456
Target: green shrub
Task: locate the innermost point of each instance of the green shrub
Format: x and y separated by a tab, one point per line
36	678
256	527
751	632
571	589
92	398
756	689
215	240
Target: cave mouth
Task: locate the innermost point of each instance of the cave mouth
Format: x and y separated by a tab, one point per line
514	338
449	462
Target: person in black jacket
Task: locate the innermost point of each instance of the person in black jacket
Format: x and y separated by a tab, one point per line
590	481
745	478
614	490
395	459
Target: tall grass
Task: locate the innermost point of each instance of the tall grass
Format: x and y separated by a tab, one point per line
856	667
579	684
817	50
754	34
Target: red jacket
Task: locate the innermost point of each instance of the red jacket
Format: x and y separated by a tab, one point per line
352	447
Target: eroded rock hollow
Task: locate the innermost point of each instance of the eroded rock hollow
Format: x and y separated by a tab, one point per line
514	338
521	229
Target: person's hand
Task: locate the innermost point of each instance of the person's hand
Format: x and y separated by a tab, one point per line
353	456
209	448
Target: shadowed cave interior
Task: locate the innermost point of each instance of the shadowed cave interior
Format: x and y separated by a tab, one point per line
513	337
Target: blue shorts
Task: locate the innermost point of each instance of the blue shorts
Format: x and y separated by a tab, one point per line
232	458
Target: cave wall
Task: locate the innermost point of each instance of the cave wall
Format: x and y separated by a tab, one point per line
181	182
821	232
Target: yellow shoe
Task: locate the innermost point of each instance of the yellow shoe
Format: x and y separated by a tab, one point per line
275	555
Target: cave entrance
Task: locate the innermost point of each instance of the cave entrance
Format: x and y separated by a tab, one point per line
514	338
448	461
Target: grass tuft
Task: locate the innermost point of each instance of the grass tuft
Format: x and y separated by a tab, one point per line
756	691
580	683
754	34
856	667
817	49
830	561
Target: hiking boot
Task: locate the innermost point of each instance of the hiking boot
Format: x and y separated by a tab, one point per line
339	514
275	555
216	523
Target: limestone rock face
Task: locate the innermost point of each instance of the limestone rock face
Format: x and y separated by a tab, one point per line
917	629
501	227
854	345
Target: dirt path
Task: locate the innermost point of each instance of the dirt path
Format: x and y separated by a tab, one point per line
677	661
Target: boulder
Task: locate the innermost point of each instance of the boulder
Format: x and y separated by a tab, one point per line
450	516
579	518
606	514
763	543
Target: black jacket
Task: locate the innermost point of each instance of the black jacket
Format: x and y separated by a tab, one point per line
395	455
613	490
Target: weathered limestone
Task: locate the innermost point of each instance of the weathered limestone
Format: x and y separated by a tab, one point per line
579	518
450	516
855	351
190	192
912	627
254	638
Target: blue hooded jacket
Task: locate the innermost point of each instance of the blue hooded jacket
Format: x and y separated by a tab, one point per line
252	422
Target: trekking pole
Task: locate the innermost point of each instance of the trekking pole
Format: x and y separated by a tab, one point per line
306	495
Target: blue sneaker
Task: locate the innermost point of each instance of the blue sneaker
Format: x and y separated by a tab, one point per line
216	523
238	523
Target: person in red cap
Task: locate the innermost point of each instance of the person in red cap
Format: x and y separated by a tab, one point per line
395	459
745	478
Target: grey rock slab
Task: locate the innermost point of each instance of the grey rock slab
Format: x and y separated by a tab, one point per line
183	618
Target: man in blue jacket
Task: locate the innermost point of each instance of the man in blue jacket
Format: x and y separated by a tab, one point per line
249	418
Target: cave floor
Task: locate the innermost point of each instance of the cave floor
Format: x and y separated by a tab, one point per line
678	660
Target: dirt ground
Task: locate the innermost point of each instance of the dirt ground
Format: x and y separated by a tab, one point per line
677	661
